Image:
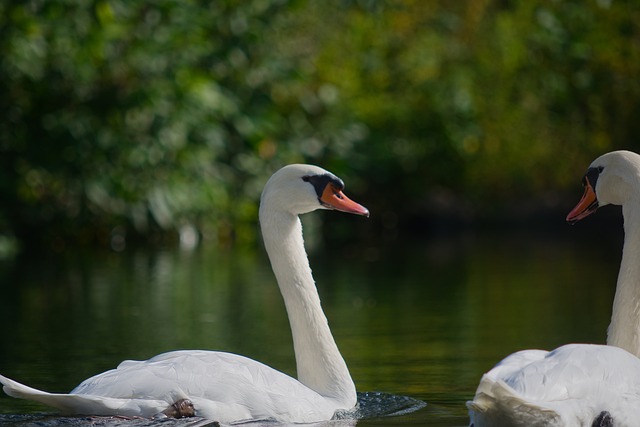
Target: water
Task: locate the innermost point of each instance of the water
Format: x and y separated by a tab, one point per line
423	319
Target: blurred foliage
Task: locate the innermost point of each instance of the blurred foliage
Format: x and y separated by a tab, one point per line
491	100
137	117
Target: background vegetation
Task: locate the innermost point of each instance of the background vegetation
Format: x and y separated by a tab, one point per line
131	117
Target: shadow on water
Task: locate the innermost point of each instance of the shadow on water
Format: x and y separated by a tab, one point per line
422	319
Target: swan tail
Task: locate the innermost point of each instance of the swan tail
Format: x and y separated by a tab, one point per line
82	403
20	391
497	404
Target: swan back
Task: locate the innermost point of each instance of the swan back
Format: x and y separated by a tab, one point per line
570	386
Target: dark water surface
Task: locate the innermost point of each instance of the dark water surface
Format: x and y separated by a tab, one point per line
422	319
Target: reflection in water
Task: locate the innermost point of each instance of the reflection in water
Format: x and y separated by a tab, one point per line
423	320
370	405
45	420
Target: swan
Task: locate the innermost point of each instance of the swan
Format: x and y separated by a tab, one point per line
227	387
580	384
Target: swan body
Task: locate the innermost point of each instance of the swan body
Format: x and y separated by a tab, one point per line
227	387
580	384
573	385
219	385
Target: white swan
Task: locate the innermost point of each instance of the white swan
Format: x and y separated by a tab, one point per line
226	387
580	384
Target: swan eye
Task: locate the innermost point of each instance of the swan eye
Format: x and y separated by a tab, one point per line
325	182
591	177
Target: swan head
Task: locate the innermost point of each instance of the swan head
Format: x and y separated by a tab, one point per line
612	178
298	189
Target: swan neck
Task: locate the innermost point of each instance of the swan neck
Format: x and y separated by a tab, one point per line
624	330
320	365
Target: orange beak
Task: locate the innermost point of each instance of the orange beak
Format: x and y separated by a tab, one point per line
333	198
586	206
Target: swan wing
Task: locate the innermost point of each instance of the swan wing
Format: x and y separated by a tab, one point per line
569	386
217	383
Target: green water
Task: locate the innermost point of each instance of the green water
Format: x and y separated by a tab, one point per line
423	319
